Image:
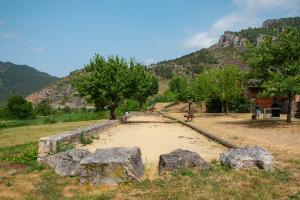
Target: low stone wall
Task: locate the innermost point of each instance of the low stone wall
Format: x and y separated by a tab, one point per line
47	145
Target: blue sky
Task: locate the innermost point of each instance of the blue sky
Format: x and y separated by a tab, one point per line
60	36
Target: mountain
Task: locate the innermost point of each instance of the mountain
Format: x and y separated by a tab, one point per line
60	94
21	80
226	51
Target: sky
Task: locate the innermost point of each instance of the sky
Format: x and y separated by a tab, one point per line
60	36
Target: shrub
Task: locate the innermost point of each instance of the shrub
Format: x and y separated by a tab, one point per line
66	109
85	140
48	120
61	146
19	108
44	108
128	105
29	154
240	105
168	96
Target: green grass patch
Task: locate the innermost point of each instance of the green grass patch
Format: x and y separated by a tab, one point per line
59	118
25	154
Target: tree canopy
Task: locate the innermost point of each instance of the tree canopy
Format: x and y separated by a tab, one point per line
19	108
222	83
106	82
276	63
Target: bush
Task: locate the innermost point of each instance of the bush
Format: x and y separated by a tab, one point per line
240	105
168	96
44	108
3	112
27	155
48	120
85	140
213	105
66	109
19	108
61	146
128	105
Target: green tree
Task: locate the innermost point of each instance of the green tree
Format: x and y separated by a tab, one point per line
44	108
106	82
218	83
19	108
182	88
142	83
229	82
204	86
276	63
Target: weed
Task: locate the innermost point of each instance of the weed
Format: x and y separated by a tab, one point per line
61	146
84	139
295	196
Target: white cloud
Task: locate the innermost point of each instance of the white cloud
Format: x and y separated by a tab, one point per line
200	40
4	34
148	61
248	13
38	50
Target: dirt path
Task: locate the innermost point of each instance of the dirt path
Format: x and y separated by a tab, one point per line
280	138
155	139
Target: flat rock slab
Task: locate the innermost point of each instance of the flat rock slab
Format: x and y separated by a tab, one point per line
180	159
110	166
248	157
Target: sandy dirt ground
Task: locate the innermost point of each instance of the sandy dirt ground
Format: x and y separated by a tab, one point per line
155	139
282	139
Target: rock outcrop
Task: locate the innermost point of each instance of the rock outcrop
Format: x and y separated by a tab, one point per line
230	39
180	159
282	23
110	166
248	157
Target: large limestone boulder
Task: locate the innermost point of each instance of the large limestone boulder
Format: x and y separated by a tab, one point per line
66	162
110	166
180	159
248	157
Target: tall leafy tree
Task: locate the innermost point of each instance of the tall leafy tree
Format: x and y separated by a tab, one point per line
221	83
229	82
106	82
276	63
180	87
142	83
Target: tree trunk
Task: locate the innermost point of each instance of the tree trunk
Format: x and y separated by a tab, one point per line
226	108
289	111
190	105
141	106
112	113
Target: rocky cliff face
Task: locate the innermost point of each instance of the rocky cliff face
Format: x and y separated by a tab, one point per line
60	94
230	39
282	23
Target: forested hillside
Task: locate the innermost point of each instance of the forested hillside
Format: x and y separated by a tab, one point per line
226	51
21	80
